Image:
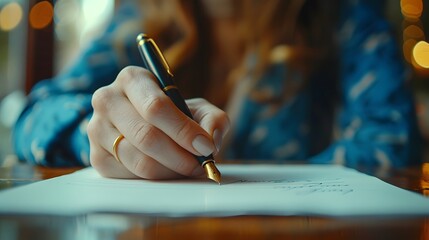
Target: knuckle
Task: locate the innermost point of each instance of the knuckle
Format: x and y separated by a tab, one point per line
197	102
146	136
127	75
223	116
128	72
184	129
153	106
201	100
101	99
131	75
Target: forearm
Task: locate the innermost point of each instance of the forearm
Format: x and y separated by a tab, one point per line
43	133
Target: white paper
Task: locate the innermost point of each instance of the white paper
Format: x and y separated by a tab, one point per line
326	190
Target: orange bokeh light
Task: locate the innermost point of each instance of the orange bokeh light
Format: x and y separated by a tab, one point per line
412	8
414	32
41	15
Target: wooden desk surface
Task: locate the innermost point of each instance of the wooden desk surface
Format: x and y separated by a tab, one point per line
126	226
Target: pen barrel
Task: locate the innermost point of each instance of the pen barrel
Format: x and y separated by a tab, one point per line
175	96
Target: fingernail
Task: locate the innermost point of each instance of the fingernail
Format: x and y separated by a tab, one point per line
198	171
217	137
202	145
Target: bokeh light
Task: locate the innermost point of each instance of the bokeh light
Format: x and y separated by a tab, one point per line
41	15
415	48
421	54
413	31
10	16
412	8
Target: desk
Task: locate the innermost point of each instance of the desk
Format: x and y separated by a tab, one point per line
126	226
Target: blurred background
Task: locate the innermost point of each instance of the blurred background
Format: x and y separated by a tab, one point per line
40	38
37	40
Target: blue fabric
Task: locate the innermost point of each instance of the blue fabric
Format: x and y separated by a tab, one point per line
376	122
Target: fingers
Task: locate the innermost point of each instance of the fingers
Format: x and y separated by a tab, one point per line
102	160
143	165
142	135
210	118
159	140
107	166
157	109
131	164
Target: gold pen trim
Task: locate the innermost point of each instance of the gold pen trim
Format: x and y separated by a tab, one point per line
142	39
169	87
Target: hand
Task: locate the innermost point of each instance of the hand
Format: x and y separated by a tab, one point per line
159	139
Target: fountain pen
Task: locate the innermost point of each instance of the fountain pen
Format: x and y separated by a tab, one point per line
155	62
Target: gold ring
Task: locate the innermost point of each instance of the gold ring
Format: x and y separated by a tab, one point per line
115	147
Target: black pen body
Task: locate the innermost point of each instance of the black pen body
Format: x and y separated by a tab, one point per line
155	63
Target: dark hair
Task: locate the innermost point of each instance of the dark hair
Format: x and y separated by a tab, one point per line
305	27
302	28
191	77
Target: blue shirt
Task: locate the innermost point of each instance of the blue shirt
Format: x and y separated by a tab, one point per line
374	123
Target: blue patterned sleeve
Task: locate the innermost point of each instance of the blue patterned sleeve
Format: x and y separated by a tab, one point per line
51	130
377	124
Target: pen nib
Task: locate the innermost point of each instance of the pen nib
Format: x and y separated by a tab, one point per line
212	172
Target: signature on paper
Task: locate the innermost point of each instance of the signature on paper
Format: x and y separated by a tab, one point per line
305	187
